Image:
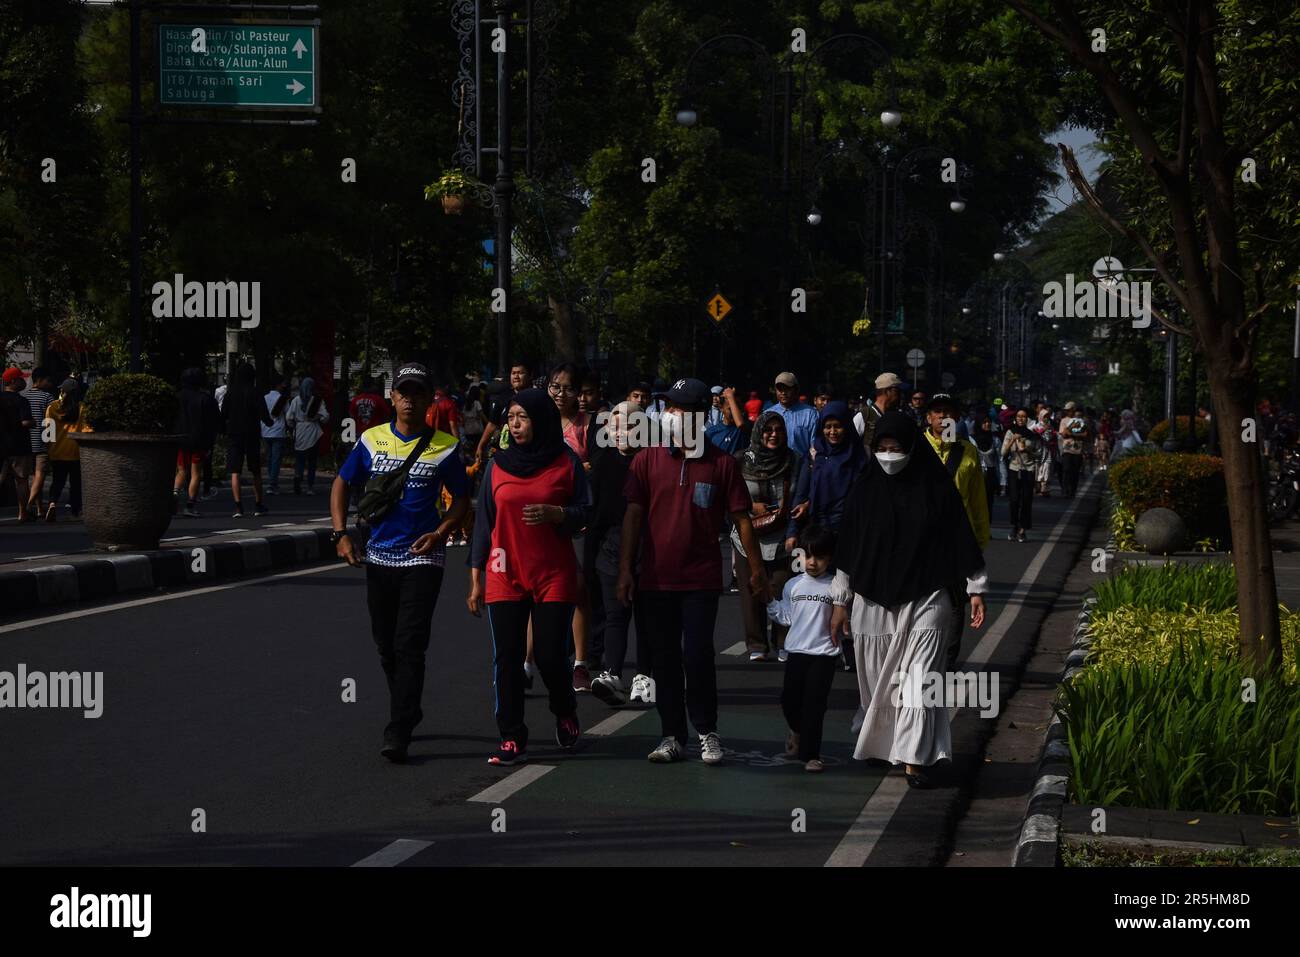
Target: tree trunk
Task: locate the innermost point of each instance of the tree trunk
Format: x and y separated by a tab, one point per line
565	336
1252	547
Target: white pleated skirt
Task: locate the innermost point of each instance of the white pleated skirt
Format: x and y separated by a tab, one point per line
888	644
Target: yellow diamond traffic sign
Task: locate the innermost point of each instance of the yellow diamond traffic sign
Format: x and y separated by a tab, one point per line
718	308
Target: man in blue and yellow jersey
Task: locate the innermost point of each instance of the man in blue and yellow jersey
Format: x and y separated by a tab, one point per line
961	458
405	552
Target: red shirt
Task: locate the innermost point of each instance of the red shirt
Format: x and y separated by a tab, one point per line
532	561
443	415
752	408
368	410
685	501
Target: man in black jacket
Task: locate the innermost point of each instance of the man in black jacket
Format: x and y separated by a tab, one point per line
196	423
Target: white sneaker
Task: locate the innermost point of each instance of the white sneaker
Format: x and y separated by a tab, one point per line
640	686
609	689
758	656
668	752
711	748
782	655
649	697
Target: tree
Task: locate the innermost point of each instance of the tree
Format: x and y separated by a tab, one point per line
51	181
1196	88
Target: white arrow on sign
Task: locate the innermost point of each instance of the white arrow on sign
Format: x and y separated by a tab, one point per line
300	48
295	86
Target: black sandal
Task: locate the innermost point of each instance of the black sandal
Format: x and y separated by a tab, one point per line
919	780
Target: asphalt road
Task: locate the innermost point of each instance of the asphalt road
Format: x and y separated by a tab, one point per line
229	700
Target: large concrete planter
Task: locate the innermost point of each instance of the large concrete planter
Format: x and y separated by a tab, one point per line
127	487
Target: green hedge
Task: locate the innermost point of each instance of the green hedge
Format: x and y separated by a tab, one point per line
131	402
1191	485
1161	429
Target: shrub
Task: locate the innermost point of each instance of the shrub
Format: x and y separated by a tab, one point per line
1173	586
131	402
1191	485
1160	431
1147	635
1175	734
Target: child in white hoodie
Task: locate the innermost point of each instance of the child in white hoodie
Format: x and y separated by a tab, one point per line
805	606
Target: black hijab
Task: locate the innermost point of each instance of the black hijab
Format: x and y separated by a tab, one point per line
547	443
906	535
758	463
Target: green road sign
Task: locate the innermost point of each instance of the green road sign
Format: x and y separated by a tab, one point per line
266	64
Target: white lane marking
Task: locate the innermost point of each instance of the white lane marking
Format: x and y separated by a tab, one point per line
619	719
982	653
509	785
32	558
231	531
86	612
177	538
278	525
856	845
737	649
860	840
325	519
394	853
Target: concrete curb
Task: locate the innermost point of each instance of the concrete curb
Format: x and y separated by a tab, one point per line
1040	834
100	577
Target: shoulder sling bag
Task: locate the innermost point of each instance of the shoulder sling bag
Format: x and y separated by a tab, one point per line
384	491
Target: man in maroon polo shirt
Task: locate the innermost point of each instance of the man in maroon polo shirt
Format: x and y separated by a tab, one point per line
678	494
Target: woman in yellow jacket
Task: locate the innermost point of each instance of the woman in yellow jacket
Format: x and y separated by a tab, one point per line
65	455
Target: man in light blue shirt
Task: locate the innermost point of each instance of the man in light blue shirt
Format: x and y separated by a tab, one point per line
800	419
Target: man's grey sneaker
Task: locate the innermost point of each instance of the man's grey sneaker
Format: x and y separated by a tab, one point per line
649	691
190	511
711	748
668	752
609	689
783	655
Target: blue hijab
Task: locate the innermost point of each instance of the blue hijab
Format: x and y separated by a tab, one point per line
836	467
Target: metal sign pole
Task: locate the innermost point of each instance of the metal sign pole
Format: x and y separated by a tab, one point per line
136	359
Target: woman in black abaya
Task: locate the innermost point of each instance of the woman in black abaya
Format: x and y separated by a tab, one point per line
904	538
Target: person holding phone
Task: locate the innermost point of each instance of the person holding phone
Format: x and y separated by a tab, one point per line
533	497
405	552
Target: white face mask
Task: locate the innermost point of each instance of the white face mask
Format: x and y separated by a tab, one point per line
685	431
893	462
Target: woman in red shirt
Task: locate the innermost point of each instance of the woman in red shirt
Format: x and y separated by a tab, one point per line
532	499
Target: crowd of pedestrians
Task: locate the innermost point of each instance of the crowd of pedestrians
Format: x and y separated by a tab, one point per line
856	532
855	529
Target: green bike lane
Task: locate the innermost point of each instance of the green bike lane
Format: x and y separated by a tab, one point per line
604	803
